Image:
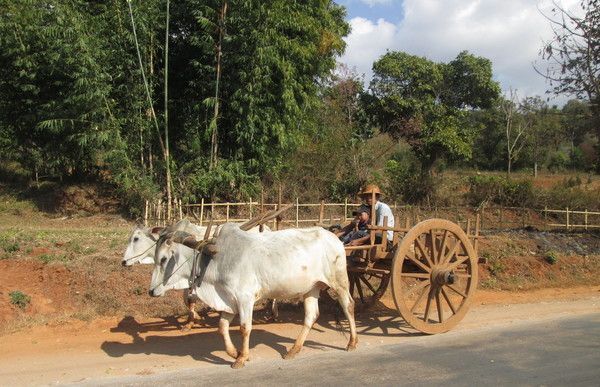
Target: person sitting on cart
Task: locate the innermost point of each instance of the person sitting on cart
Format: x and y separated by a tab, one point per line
357	232
371	195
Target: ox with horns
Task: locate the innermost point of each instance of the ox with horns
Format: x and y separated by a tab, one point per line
237	268
141	250
142	247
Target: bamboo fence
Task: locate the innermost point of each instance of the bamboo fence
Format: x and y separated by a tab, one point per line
309	214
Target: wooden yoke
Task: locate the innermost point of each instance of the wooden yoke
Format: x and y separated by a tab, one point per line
186	239
264	217
373	214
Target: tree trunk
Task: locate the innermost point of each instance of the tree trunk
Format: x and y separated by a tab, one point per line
214	140
167	156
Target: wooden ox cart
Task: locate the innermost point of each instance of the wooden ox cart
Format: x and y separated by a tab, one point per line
431	266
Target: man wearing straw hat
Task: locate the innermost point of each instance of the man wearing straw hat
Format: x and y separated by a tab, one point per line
371	194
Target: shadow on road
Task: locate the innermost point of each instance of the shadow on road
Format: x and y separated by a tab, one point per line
201	346
378	320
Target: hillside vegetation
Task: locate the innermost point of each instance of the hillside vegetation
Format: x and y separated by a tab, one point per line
216	100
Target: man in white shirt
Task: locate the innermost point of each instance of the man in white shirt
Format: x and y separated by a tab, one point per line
381	209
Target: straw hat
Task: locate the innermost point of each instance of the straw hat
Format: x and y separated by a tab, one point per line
370	189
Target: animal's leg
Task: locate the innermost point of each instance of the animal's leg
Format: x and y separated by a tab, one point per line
226	319
274	310
311	313
347	303
245	329
192	317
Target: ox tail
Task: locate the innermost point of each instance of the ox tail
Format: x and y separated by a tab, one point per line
337	311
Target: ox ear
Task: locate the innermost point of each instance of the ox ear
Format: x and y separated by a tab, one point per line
156	230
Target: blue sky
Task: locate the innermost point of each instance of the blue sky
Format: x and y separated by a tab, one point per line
390	10
508	32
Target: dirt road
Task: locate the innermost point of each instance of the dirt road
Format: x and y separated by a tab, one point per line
91	351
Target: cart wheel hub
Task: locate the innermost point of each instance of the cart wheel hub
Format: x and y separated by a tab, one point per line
443	277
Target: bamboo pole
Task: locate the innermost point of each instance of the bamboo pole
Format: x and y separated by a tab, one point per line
146	214
278	219
345	210
373	220
297	212
321	211
201	211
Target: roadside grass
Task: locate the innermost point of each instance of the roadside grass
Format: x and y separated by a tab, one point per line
19	299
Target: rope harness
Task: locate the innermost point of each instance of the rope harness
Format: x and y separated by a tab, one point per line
195	279
139	255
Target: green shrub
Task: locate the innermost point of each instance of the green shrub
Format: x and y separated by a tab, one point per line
407	181
228	181
47	258
558	162
11	247
19	299
10	241
551	257
574	198
500	190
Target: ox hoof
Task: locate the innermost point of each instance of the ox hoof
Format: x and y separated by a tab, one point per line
291	354
234	354
238	364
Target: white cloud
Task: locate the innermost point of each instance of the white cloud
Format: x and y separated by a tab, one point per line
372	3
508	32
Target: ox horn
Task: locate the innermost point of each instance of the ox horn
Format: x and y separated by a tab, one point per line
156	230
189	240
264	217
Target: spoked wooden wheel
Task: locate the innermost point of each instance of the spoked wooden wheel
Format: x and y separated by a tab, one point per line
434	276
367	288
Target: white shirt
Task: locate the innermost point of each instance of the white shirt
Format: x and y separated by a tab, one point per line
381	210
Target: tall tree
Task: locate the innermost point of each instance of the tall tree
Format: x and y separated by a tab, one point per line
573	54
425	102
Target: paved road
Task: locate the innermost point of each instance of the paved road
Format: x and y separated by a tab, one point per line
564	351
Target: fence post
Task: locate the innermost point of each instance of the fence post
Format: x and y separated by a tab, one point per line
250	209
227	212
567	218
201	211
321	211
345	210
546	217
180	209
146	214
297	212
585	219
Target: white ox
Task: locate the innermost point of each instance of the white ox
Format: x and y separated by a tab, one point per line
294	263
142	247
142	241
